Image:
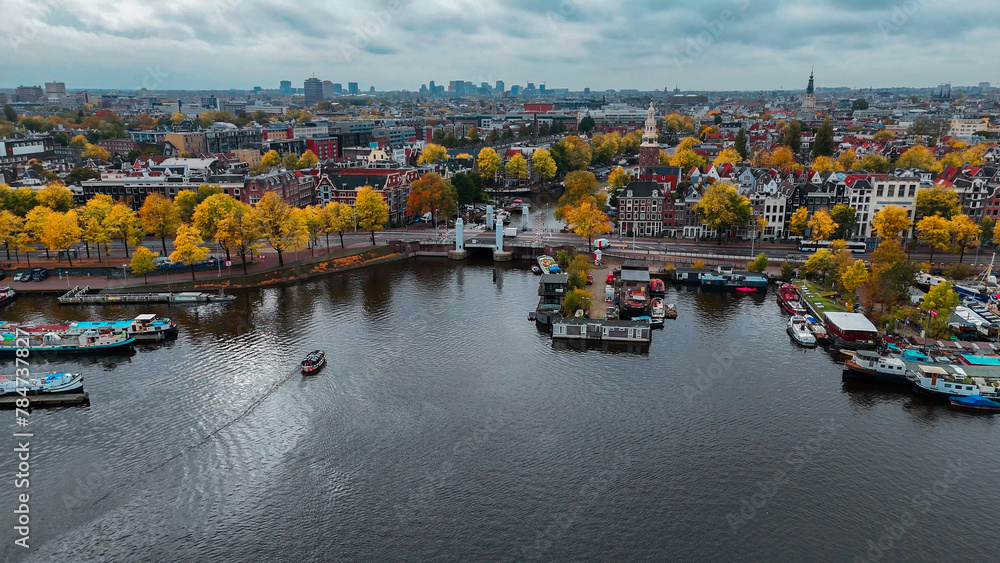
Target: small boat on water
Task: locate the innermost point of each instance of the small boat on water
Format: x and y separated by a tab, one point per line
871	366
48	384
7	295
798	329
788	298
976	403
548	264
671	311
656	287
634	303
313	362
657	313
536	270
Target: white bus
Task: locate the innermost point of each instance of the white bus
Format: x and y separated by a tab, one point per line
813	246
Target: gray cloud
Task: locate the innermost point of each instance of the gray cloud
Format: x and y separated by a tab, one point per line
399	44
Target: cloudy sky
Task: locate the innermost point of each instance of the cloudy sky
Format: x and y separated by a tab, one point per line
401	44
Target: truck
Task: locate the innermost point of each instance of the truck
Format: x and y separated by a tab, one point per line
509	232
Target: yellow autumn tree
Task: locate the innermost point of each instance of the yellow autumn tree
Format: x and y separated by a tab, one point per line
516	167
728	154
432	153
919	157
281	227
187	247
846	159
488	162
890	222
307	160
159	217
822	226
271	159
372	210
853	277
824	164
933	231
143	262
96	151
61	232
964	234
588	220
798	222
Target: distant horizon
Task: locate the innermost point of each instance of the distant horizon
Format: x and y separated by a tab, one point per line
716	45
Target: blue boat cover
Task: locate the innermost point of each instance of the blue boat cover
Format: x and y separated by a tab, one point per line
911	355
975	401
975	360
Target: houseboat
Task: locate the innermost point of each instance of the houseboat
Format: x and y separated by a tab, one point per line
798	329
689	276
952	381
657	288
788	298
103	341
657	313
7	295
48	384
851	330
552	290
143	327
865	364
603	330
634	299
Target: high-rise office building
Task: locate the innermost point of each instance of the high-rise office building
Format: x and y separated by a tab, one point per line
29	94
352	88
285	87
338	88
499	87
515	90
55	88
313	88
327	89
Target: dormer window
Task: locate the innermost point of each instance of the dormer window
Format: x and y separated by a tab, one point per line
628	193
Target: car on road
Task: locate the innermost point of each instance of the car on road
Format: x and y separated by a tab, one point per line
20	276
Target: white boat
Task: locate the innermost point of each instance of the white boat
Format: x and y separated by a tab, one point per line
548	264
798	329
47	384
657	314
939	382
817	329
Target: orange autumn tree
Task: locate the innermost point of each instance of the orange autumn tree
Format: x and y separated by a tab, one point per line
432	193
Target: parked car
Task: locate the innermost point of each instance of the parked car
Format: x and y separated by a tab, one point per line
39	274
19	277
590	279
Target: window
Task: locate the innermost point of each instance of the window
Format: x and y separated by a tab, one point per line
892	191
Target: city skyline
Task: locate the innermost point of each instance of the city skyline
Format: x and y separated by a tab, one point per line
722	45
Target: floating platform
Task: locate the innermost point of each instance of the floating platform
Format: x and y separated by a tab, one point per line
51	400
79	295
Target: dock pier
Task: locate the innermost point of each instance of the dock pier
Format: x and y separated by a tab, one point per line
79	295
52	400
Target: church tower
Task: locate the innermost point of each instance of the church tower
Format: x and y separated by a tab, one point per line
809	100
649	150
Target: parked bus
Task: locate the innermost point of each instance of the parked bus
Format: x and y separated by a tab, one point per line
811	246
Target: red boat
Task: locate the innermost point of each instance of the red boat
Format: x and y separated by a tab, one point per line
788	298
656	287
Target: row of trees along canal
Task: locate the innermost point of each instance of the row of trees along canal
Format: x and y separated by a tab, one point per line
49	218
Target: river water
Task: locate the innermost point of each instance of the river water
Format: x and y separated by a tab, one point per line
447	427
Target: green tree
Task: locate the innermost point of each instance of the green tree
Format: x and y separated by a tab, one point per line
585	125
372	210
942	300
722	208
143	262
792	136
741	143
758	264
824	145
576	299
859	103
787	271
290	161
187	247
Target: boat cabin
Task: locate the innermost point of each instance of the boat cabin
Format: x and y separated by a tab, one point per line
882	364
851	330
609	330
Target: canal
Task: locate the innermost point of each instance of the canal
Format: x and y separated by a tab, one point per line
447	427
